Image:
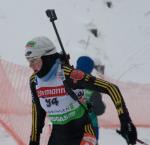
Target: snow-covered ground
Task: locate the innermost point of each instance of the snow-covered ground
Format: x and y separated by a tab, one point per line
110	137
5	138
123	32
107	137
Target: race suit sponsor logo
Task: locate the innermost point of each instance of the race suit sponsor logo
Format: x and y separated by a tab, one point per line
68	116
45	92
62	110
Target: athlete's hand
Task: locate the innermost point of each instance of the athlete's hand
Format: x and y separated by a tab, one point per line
33	143
128	130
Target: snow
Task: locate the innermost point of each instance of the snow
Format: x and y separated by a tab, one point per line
123	29
5	138
107	137
110	137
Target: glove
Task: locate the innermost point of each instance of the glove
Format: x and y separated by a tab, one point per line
128	130
33	143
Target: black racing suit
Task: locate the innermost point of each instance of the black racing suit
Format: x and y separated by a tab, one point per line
72	132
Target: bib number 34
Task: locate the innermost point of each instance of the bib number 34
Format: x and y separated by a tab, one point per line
50	102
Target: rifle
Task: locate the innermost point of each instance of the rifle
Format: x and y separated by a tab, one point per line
52	16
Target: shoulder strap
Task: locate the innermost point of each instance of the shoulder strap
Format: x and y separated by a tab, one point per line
73	95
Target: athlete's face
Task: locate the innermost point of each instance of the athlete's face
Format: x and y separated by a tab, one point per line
35	64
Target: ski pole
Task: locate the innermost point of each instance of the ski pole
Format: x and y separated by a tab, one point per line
52	16
141	142
138	140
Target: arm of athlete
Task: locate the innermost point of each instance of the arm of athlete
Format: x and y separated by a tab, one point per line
38	115
78	79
